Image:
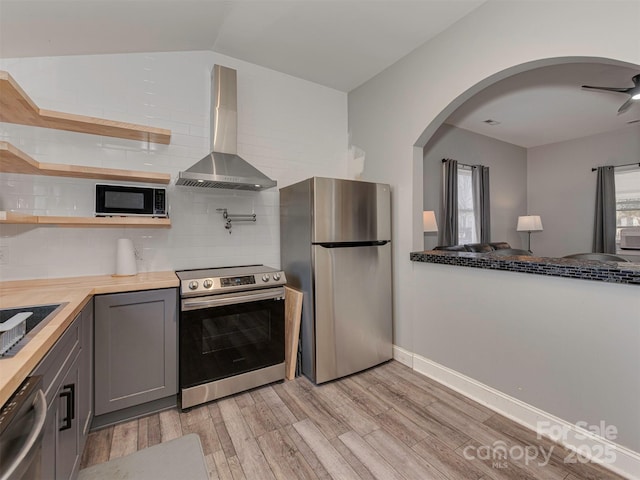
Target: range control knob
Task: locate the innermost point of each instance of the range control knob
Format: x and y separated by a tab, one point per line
265	277
276	276
208	283
193	284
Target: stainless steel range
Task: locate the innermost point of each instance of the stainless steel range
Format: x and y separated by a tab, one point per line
231	331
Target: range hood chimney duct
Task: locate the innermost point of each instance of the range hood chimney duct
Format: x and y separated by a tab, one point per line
223	168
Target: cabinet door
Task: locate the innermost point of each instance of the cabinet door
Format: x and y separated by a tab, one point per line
48	463
67	425
135	357
61	449
85	388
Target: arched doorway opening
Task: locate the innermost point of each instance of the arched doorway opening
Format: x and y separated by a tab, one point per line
538	103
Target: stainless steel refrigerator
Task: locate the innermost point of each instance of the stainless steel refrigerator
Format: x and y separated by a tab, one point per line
335	244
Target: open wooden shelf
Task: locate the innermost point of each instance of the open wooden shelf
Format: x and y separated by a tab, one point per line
105	221
146	222
10	217
17	107
13	160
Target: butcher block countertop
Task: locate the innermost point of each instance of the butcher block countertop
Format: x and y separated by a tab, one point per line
76	292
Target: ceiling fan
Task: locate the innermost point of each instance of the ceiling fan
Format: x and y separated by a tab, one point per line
634	92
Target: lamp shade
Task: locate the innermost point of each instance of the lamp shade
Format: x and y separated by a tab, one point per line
429	221
529	223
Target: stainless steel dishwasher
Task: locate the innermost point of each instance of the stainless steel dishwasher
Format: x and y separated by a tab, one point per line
21	428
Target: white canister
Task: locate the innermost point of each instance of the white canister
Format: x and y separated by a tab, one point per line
125	258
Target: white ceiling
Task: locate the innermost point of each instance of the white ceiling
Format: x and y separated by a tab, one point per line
548	105
337	43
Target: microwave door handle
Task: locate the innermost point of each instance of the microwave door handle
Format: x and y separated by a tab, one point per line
194	304
30	447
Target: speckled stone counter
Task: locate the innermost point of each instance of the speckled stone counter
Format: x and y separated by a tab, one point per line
612	272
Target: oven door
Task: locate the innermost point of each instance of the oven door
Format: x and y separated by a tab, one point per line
229	334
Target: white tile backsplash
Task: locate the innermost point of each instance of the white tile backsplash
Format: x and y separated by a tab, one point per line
289	128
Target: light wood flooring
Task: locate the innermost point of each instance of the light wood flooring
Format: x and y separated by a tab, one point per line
386	423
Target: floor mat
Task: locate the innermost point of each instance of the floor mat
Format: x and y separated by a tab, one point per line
181	458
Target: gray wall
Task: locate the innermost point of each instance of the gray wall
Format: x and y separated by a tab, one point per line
390	118
568	347
508	178
561	187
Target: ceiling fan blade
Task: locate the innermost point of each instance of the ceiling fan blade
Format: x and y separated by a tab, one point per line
625	106
608	89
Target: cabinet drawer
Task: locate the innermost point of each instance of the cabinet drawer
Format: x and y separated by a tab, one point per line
59	358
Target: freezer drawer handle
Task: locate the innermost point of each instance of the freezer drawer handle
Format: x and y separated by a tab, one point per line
353	244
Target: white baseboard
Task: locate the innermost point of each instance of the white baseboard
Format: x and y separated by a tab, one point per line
405	357
626	463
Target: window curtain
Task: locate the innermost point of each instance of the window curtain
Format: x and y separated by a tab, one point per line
604	231
481	202
448	234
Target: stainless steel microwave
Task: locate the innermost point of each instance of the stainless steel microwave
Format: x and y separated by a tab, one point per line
130	200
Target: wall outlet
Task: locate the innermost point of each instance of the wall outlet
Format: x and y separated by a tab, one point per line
4	254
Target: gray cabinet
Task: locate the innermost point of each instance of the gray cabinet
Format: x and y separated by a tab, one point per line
68	432
135	348
67	372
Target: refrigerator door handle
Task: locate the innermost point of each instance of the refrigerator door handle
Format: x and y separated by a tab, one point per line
377	243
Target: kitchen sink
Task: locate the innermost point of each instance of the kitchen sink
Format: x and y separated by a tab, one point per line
40	315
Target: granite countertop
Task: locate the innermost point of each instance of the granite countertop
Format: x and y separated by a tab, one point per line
76	292
612	272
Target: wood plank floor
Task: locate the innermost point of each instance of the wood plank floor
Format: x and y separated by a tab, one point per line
386	423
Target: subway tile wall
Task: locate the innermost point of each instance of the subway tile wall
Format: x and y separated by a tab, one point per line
289	128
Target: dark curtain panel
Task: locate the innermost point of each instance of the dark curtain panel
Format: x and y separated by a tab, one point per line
481	201
448	234
604	231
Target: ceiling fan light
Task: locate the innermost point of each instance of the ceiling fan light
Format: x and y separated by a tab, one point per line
636	96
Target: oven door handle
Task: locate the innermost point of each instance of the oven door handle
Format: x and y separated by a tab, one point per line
232	299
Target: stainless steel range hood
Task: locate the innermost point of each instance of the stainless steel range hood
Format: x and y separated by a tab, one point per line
223	168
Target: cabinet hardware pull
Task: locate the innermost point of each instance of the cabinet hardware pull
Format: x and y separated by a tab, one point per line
72	387
69	396
66	421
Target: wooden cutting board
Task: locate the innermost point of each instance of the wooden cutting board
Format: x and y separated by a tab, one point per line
292	316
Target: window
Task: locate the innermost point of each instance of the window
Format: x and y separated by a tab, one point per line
627	199
466	207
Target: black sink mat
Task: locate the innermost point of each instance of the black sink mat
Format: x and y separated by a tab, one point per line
40	312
